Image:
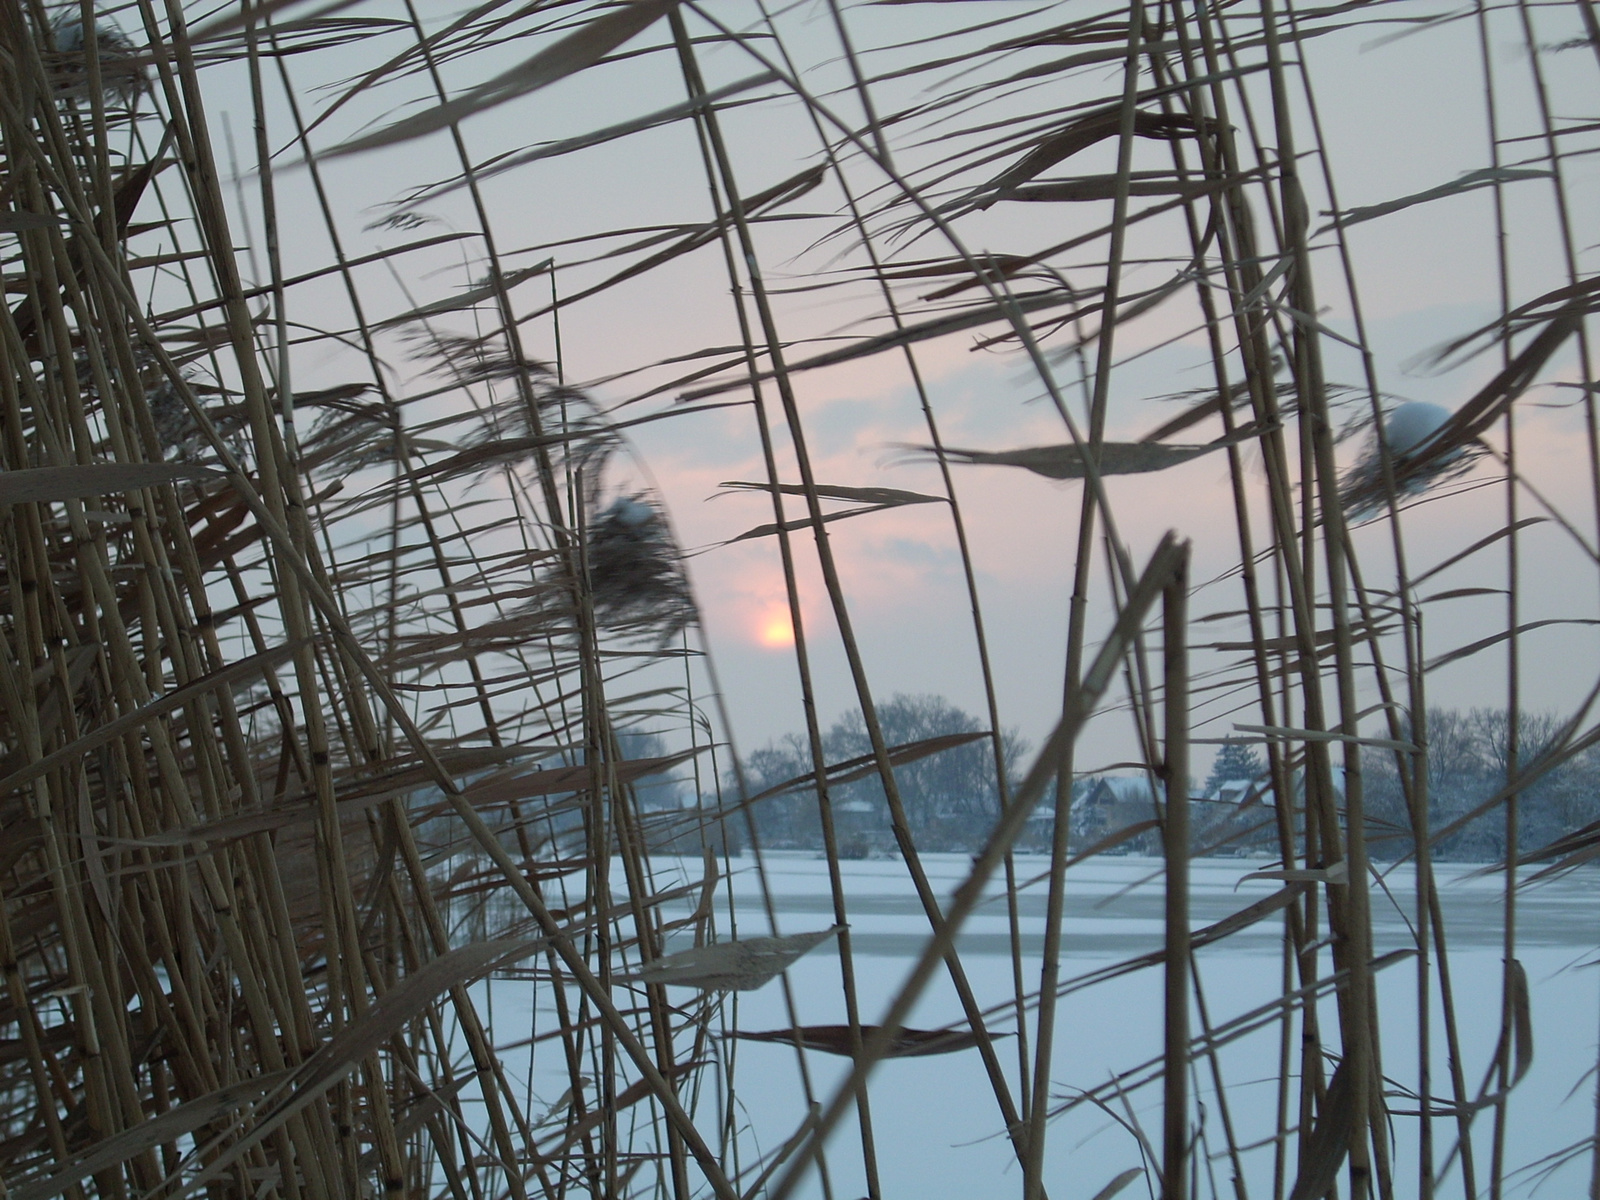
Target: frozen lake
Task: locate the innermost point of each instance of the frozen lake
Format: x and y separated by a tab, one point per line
936	1121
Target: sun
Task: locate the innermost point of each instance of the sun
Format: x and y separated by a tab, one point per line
776	630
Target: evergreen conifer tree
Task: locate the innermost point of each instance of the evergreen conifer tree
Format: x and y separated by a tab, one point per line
1235	760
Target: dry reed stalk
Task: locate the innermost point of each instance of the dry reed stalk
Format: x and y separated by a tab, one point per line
723	200
1176	839
899	824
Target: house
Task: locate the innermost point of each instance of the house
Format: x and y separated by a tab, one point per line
1113	803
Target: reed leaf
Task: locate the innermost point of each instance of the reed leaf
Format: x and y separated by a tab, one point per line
579	49
170	1126
837	1039
1325	1150
43	485
1483	177
1118	1182
741	965
1069	461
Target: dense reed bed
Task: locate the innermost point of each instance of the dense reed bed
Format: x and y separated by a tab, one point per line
332	595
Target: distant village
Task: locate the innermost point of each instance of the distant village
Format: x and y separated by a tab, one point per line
1110	814
950	802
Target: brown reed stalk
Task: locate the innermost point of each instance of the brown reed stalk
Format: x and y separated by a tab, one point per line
1175	1145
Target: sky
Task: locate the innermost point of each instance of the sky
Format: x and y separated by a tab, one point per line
1401	110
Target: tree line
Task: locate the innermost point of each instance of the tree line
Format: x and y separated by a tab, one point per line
951	797
952	800
1469	764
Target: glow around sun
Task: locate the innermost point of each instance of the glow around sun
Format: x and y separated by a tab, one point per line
775	630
